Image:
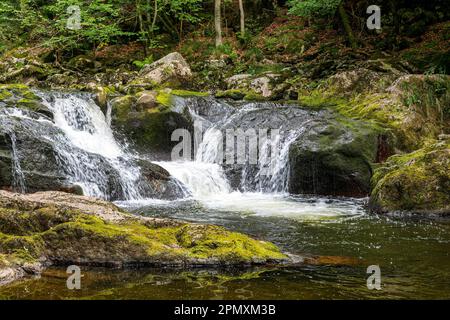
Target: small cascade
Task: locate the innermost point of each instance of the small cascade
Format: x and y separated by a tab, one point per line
205	176
17	174
86	128
271	174
201	179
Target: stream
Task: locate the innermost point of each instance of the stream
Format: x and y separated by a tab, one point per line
413	254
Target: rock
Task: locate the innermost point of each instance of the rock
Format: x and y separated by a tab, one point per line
61	229
234	94
146	100
334	156
20	96
414	107
150	123
362	80
261	85
62	80
172	69
414	183
23	66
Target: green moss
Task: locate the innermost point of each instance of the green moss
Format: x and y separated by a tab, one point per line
164	98
318	100
187	93
253	96
5	94
235	94
70	235
416	182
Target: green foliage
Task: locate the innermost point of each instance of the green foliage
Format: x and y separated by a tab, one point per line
141	63
309	8
99	23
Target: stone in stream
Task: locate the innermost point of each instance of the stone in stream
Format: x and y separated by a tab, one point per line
54	228
148	120
414	183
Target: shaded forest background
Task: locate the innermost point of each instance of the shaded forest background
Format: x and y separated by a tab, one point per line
256	36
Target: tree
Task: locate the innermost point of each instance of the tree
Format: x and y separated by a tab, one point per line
323	8
242	16
218	22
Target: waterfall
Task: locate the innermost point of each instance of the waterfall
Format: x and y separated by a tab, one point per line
88	155
205	176
86	128
17	174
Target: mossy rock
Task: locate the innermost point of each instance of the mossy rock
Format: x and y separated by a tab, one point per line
149	129
335	156
22	97
235	94
414	183
414	107
188	93
71	229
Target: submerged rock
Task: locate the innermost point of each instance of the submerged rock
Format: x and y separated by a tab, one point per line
414	183
61	229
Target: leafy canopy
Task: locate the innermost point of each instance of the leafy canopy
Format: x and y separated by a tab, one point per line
310	8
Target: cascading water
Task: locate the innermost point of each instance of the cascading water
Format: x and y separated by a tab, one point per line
75	148
86	127
78	147
17	174
205	176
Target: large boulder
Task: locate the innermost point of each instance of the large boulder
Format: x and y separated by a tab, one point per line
148	120
414	183
171	69
54	228
258	87
334	156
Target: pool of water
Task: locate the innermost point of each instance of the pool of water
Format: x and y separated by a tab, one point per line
413	255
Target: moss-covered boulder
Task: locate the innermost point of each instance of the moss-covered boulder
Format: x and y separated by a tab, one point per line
148	120
418	182
335	156
414	107
56	228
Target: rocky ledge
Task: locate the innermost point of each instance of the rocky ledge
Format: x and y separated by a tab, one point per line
54	228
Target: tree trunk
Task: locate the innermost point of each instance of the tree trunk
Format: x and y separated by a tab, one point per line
347	27
155	15
217	22
241	9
